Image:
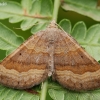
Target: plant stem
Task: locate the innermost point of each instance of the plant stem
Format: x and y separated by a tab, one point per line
44	90
56	8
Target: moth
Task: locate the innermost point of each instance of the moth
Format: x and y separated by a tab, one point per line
51	52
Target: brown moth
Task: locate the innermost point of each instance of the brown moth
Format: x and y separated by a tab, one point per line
51	52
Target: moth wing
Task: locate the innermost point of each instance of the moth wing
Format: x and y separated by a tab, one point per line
26	66
74	67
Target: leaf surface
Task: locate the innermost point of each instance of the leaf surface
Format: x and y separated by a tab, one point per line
8	39
56	95
66	24
11	94
60	93
30	12
85	7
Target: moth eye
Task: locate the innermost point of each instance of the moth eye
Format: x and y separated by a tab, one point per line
81	56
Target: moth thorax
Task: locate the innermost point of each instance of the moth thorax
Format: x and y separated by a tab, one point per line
52	24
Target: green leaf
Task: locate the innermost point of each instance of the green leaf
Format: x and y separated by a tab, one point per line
85	7
87	95
46	7
10	51
8	39
11	94
66	25
29	12
65	94
11	9
71	95
89	39
79	31
39	27
36	7
26	4
84	96
56	94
